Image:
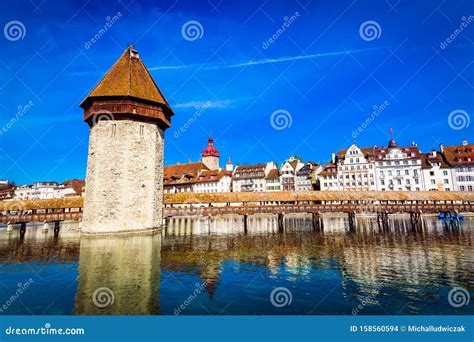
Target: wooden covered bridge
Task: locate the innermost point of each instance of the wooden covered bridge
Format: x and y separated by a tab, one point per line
380	203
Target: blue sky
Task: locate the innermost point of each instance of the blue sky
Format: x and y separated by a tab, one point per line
323	71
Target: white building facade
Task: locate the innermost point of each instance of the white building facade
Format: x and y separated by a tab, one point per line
356	169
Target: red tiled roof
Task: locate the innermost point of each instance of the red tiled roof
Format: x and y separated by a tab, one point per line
427	159
273	174
76	184
212	176
327	168
413	152
459	154
182	173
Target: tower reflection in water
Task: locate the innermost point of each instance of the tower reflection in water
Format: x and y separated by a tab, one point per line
119	275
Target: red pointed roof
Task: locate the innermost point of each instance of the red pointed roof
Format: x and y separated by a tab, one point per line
210	150
128	77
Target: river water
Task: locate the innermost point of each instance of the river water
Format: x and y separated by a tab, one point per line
213	267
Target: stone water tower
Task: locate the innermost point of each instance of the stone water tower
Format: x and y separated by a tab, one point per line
127	115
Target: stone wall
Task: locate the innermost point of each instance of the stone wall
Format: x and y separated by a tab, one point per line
124	181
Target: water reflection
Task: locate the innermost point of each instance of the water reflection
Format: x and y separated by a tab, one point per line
399	271
119	275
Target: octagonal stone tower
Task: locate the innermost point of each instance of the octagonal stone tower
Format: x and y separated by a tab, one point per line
127	115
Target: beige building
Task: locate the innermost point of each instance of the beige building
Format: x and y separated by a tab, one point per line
437	174
288	171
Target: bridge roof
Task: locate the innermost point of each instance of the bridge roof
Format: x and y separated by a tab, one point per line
285	196
239	197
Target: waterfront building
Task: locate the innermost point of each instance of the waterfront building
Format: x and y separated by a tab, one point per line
356	169
288	173
398	168
213	181
182	177
251	177
272	180
390	168
328	177
437	173
461	159
49	190
306	176
6	190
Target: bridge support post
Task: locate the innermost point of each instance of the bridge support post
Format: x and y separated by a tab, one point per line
281	222
10	227
45	227
416	219
382	221
352	221
317	222
246	218
22	229
56	228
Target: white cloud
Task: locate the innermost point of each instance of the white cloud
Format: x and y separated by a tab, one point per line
218	104
265	60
